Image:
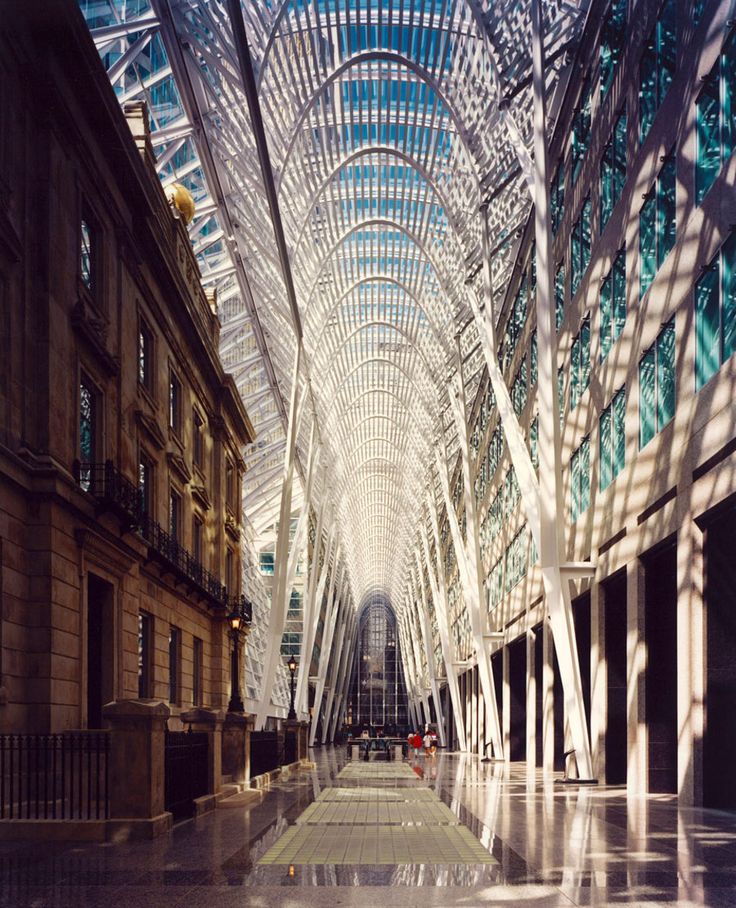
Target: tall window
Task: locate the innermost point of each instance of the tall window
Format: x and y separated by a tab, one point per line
174	403
145	652
657	225
145	484
533	357
657	385
230	571
716	129
557	197
198	438
175	515
580	480
612	439
580	363
559	295
715	314
534	442
580	247
145	355
657	68
613	39
581	131
174	664
197	671
231	494
197	532
613	169
613	303
88	430
87	254
561	393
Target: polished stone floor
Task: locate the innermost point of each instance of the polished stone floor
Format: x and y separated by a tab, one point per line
547	845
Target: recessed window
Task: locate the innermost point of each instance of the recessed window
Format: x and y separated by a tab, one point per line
714	120
657	385
174	403
612	439
580	363
580	239
580	480
559	295
613	40
230	571
657	225
197	438
87	252
175	515
657	68
145	484
89	407
197	671
581	131
231	482
145	355
613	169
174	664
613	303
145	653
197	535
715	314
557	197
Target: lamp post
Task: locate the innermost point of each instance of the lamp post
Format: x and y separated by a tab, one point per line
238	621
291	665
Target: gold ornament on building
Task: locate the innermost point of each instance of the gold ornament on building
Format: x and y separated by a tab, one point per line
181	198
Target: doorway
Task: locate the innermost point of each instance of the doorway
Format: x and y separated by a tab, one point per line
614	611
517	699
100	648
660	635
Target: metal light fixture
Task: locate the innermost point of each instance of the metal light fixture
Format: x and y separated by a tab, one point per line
291	665
237	620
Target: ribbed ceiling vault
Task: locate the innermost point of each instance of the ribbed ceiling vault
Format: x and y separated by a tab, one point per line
385	135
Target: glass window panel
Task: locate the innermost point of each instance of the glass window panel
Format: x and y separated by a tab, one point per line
619	431
584	475
667	210
619	293
665	375
647	244
647	409
605	453
707	326
606	314
647	90
708	155
728	284
559	295
85	254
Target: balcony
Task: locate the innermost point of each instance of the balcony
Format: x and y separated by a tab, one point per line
117	494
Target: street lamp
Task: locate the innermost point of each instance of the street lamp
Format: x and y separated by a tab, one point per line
291	665
238	621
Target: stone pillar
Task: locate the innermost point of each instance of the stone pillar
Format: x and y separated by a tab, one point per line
548	702
236	746
210	722
295	742
137	768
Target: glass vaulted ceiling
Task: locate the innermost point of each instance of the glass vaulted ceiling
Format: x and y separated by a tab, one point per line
385	135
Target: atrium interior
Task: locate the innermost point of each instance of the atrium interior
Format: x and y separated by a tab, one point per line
367	452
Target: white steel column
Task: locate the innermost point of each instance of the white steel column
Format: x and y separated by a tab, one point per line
429	650
552	520
472	574
334	667
439	594
279	597
345	659
324	655
312	606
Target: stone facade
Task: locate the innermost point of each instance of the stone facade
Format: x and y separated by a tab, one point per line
116	577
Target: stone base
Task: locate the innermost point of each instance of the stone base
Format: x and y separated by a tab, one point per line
133	830
205	804
242	799
85	830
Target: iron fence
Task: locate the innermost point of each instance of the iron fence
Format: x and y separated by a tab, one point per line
54	777
186	756
264	752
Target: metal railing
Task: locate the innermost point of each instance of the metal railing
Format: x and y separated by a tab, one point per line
54	777
113	490
264	752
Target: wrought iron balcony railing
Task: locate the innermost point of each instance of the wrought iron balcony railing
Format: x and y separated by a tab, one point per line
118	494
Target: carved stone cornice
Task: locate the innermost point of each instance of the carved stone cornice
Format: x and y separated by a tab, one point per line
150	426
179	466
232	527
91	327
200	494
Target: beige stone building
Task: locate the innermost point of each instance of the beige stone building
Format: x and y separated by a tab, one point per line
121	436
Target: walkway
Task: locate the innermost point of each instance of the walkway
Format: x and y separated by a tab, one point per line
491	837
